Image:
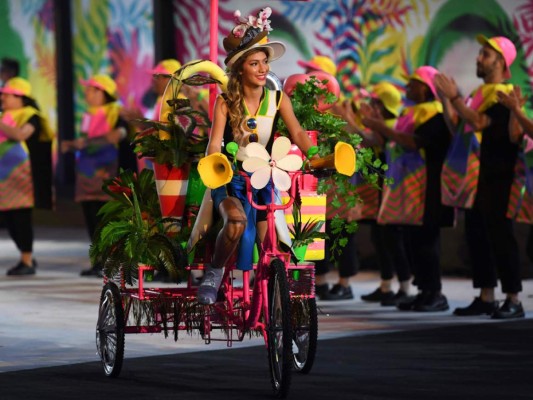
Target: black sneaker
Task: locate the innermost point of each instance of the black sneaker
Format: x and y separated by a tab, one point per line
433	302
339	292
477	307
321	291
509	310
394	299
410	302
21	269
376	296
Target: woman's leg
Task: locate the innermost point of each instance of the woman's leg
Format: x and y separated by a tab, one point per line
228	238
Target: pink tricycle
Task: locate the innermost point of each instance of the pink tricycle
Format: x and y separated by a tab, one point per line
280	305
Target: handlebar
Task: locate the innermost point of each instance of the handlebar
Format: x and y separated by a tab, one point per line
272	206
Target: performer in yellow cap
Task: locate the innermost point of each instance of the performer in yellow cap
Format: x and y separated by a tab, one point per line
415	149
319	63
25	178
96	150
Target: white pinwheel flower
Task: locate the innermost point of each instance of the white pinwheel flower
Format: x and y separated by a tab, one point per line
262	165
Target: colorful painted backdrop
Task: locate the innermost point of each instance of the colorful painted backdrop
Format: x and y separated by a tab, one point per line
28	35
114	37
374	40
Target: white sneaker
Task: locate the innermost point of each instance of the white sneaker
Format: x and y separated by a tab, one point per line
208	289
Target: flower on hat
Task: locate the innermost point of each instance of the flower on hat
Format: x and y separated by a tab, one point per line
263	166
250	33
260	22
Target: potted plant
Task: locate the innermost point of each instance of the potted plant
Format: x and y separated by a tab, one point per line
176	141
331	129
132	232
135	228
303	233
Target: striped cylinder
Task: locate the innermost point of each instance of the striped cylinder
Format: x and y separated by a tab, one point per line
171	183
306	181
313	208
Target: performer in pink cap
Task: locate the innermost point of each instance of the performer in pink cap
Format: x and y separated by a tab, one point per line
478	175
415	149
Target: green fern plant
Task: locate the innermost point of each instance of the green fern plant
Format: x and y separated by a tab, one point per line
132	232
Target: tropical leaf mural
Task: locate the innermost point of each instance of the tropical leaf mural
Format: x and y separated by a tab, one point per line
459	21
522	20
114	37
28	35
365	37
11	44
192	29
89	44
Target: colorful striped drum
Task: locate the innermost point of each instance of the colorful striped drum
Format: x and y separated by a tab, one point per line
313	208
171	184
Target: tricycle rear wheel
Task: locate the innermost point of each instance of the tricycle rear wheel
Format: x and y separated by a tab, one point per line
110	330
305	333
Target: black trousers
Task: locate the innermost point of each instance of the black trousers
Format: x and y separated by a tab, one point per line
529	244
493	250
390	242
19	224
424	249
90	211
347	261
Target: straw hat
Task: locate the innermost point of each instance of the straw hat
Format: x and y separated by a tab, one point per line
249	34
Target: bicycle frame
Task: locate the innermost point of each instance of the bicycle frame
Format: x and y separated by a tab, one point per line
268	251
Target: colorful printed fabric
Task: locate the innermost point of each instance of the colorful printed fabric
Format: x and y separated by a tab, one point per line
96	162
521	198
404	200
16	183
460	172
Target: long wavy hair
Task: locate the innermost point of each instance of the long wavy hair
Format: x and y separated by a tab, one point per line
235	94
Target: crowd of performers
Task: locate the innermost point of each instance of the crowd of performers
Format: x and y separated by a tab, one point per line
446	151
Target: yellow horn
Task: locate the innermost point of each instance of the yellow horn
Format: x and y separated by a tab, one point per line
215	170
343	160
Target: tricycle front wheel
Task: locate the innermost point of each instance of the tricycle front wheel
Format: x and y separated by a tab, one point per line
279	329
110	330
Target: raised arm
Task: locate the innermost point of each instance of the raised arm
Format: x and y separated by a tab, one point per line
16	133
519	121
379	126
298	136
450	96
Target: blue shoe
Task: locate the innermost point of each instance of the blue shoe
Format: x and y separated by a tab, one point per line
208	289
